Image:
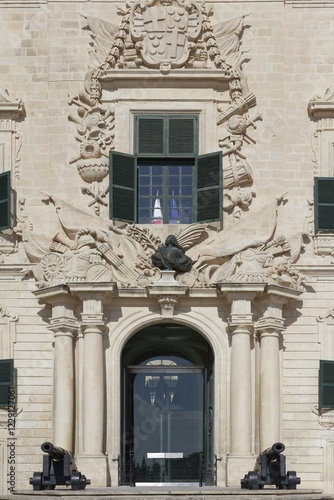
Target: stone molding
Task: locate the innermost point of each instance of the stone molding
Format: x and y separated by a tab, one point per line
321	110
8	333
11	111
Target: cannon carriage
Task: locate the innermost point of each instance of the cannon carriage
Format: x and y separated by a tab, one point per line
270	469
59	469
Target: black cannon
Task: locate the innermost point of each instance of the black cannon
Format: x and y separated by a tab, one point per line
270	469
58	469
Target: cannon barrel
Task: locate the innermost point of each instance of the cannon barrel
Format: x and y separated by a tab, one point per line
271	454
54	451
275	450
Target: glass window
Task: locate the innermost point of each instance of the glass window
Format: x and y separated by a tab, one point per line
165	192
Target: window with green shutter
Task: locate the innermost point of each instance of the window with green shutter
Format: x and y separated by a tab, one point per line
6	380
326	384
5	204
167	182
324	204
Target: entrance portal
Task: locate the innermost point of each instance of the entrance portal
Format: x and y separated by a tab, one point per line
168	407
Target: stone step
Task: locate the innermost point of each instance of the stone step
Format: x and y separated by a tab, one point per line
125	493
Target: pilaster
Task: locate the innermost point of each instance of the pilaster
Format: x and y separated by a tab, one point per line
269	330
240	328
93	460
65	327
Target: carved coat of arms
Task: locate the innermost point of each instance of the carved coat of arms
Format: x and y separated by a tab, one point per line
165	31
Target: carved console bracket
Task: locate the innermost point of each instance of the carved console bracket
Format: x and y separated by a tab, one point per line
167	291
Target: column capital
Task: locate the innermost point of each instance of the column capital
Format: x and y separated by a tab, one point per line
64	326
240	291
240	327
63	305
90	322
269	326
279	294
103	292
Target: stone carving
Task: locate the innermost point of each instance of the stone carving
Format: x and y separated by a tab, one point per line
164	32
7	332
95	133
5	314
236	199
171	256
11	111
90	249
321	110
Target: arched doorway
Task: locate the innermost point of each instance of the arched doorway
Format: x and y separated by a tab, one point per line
167	435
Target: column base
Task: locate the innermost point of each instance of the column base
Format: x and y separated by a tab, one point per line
95	468
237	466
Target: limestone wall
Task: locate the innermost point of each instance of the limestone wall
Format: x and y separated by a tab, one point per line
44	57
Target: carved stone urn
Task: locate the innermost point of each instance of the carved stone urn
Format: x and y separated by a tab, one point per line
93	169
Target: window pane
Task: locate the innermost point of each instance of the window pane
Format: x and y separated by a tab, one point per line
167	191
144	191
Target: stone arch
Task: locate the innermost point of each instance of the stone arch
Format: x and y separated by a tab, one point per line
209	328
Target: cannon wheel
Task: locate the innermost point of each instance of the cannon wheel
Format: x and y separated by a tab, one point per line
253	481
78	481
293	480
36	481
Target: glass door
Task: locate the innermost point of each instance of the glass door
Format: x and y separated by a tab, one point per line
165	423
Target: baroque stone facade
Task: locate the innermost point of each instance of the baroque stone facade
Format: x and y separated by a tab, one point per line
79	287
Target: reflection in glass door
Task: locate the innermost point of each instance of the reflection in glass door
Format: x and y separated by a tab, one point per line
166	420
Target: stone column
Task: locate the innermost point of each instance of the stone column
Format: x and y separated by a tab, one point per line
93	461
240	388
240	327
269	330
65	327
63	385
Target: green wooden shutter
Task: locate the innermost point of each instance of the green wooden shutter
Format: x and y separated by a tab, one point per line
182	136
5	200
209	187
324	204
150	132
326	384
123	187
6	380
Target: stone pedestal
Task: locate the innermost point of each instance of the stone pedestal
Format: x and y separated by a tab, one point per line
94	467
237	466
